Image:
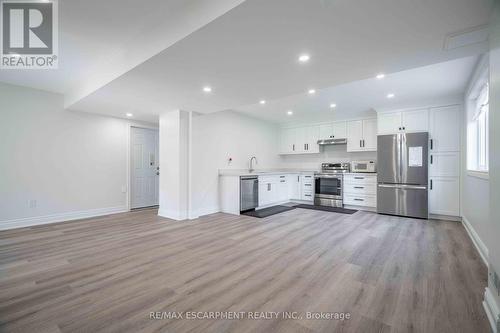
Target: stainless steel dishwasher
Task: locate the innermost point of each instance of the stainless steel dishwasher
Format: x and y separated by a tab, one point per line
249	192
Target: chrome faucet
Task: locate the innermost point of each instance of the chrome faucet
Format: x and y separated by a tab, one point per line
251	166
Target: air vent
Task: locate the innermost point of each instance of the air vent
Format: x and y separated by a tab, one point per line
466	37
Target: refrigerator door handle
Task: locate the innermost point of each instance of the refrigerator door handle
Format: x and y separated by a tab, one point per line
403	186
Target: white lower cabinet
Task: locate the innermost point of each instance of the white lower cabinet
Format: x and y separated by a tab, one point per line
293	182
282	189
275	189
360	190
307	187
444	196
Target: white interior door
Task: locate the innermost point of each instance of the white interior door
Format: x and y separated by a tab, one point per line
144	169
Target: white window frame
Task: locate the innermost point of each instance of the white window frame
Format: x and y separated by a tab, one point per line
477	123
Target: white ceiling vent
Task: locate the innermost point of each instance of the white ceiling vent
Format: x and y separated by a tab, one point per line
466	37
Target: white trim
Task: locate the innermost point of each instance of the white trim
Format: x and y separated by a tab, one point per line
476	240
60	217
445	217
173	215
478	174
204	211
491	309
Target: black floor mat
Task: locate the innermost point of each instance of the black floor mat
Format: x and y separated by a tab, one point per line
267	211
328	209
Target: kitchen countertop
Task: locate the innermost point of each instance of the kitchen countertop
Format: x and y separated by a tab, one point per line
262	172
361	173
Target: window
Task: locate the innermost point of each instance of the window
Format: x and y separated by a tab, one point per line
477	130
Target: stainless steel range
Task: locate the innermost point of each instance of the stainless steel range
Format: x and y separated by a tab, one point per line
329	183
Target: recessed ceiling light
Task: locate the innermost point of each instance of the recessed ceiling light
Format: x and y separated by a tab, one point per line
391	95
311	92
289	112
304	58
207	89
380	76
262	102
128	114
333	105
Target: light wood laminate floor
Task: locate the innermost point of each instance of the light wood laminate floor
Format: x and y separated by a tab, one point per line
107	274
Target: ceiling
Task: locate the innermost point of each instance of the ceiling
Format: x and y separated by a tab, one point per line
426	85
156	58
101	40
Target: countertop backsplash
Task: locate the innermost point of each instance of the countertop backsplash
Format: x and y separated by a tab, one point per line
334	153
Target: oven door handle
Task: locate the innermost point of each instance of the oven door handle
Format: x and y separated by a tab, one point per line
327	176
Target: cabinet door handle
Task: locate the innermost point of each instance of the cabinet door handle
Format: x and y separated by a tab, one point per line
282	181
432	144
298	179
431	159
268	186
400	128
307	195
360	143
359	177
356	199
307	184
431	184
293	147
363	143
360	187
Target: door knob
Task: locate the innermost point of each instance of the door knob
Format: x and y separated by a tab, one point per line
157	173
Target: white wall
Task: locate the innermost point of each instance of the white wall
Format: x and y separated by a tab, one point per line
174	164
475	201
218	136
493	235
71	163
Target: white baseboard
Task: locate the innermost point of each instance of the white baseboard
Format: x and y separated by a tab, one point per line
173	215
205	211
445	217
476	240
492	311
60	217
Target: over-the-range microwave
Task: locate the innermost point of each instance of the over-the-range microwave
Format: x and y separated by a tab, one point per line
363	166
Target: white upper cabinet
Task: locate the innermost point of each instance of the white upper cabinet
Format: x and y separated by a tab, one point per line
335	130
362	135
299	140
370	134
312	137
444	133
287	140
389	123
403	121
415	121
354	135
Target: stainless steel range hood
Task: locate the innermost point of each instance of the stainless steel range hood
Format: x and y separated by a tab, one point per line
332	142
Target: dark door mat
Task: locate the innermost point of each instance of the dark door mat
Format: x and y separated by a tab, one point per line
328	209
267	211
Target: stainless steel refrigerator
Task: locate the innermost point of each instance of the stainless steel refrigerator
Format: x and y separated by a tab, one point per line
402	174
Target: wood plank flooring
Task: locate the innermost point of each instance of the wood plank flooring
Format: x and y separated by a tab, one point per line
107	274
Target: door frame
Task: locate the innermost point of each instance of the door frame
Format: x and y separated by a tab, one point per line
129	158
